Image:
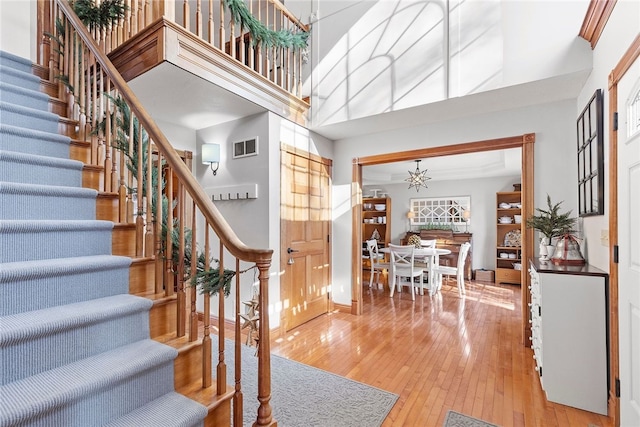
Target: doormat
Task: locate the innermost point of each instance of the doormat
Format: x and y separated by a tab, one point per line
456	419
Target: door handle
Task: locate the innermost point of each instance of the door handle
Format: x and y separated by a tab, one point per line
290	251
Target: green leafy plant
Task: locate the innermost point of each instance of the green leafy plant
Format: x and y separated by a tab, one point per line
262	35
550	222
436	226
99	16
208	280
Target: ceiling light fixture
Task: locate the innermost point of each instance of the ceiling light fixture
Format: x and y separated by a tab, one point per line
417	179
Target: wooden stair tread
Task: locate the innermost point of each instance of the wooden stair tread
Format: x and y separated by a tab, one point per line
107	195
124	225
179	343
76	141
98	168
142	259
69	121
208	396
158	298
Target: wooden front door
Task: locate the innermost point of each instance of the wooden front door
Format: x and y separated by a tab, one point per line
305	221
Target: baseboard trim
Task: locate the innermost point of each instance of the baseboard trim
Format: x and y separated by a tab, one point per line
342	308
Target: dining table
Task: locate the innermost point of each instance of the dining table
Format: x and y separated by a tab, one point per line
431	257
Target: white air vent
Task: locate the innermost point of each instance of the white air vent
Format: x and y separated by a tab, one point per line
245	148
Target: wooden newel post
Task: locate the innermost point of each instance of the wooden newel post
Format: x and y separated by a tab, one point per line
264	349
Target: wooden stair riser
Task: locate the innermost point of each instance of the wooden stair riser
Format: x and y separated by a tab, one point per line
58	107
218	405
40	71
123	241
69	128
92	177
188	366
81	151
49	88
220	415
163	317
142	276
107	207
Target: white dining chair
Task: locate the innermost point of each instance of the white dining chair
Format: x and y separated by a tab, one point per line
457	271
425	264
376	259
403	266
428	243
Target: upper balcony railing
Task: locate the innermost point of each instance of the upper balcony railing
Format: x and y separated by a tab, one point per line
211	21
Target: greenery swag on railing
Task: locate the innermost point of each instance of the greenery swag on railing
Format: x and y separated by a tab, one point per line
207	280
109	11
99	16
260	34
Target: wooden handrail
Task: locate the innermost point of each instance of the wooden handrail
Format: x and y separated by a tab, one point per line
98	90
230	240
288	14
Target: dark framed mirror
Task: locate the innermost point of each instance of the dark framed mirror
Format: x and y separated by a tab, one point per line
590	137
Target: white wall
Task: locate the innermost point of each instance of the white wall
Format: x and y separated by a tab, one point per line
621	29
555	167
248	218
372	57
18	19
541	39
483	210
181	138
255	221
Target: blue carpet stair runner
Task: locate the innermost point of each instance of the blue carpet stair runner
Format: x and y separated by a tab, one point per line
74	345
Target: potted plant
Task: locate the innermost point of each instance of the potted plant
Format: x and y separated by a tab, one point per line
551	223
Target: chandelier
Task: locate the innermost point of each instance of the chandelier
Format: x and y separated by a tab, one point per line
417	179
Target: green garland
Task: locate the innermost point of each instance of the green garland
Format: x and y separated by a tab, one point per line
207	279
262	35
99	17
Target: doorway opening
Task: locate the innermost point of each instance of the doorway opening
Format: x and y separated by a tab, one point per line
524	142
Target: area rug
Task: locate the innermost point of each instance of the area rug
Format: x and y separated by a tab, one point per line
456	419
306	396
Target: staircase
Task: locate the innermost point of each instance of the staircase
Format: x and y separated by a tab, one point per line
76	346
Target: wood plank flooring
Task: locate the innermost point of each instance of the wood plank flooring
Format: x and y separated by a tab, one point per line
437	353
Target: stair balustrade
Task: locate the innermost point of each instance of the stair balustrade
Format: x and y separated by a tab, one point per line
211	23
157	195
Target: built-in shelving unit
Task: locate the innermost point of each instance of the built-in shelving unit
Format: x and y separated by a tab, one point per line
508	237
375	222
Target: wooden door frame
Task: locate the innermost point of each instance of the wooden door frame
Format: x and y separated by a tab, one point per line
629	57
525	142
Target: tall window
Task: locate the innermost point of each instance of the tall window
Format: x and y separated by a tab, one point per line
440	211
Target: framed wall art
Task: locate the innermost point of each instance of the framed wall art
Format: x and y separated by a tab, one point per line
590	134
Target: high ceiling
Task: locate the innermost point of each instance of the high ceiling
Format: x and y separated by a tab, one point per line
193	103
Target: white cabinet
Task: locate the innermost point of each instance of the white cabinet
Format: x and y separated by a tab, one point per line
569	334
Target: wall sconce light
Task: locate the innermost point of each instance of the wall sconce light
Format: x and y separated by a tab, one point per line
211	155
466	215
410	216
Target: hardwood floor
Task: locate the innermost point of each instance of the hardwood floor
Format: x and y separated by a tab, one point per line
437	353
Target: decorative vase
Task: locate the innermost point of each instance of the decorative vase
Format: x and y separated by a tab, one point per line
550	250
